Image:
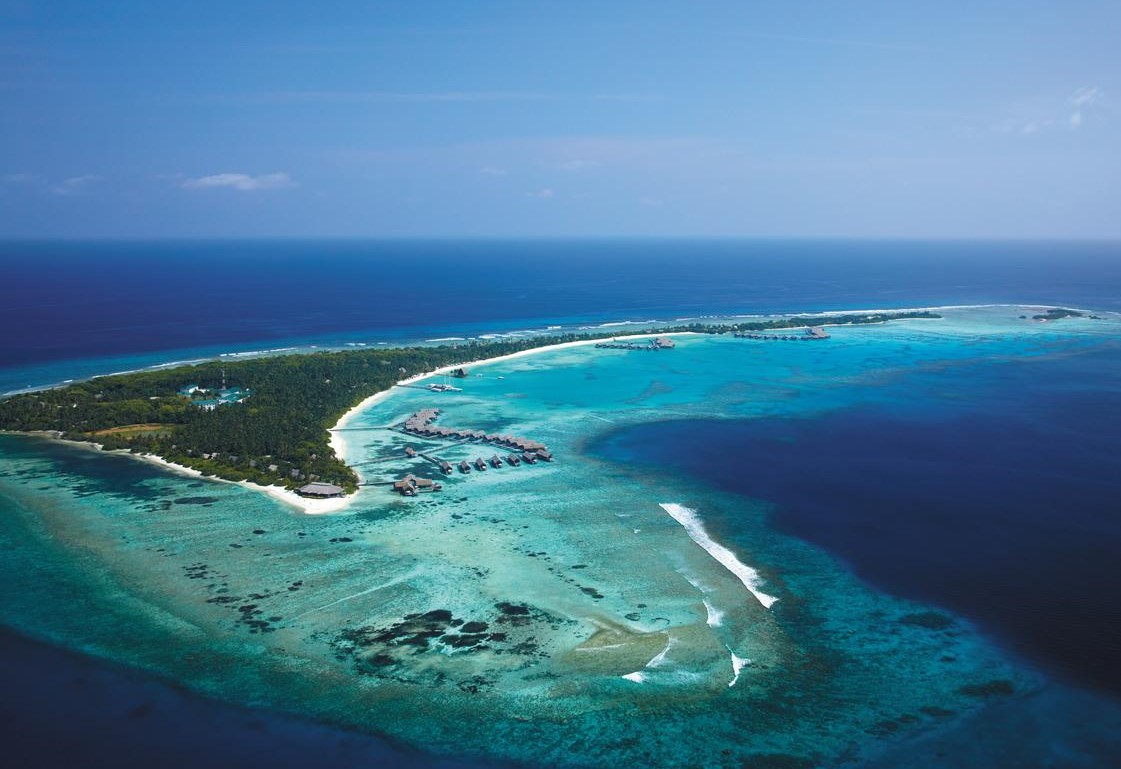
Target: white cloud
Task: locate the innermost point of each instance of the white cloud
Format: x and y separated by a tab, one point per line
1082	99
1085	96
493	171
572	166
75	185
22	179
241	182
543	193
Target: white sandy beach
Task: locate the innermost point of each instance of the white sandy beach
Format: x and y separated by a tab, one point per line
336	441
309	506
323	506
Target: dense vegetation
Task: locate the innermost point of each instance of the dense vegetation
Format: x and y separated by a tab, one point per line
279	434
1057	312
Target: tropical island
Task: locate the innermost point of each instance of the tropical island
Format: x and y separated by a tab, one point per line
1055	313
266	420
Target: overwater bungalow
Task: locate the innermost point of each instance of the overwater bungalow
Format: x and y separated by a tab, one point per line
464	467
411	484
410	452
496	461
445	467
543	453
530	457
406	487
480	464
513	459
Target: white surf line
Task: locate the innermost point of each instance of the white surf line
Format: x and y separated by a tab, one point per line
602	419
714	616
738	664
640	676
696	531
359	594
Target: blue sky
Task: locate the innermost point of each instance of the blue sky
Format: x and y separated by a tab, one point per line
515	119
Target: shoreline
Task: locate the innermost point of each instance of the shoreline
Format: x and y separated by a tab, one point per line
306	505
309	506
300	349
336	442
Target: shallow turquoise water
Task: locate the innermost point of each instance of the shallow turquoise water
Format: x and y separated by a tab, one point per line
609	633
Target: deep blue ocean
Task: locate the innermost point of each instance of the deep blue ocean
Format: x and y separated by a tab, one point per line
994	494
122	305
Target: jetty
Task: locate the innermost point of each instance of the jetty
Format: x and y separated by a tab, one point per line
421	424
810	334
659	343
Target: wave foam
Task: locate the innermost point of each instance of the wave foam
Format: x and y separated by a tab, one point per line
750	578
639	676
738	664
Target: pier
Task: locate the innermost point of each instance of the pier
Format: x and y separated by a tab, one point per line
421	425
810	334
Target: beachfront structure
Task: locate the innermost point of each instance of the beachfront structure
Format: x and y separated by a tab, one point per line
188	390
320	490
658	343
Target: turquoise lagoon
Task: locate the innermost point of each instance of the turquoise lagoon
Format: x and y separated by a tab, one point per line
558	614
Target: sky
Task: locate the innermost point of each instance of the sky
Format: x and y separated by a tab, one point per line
560	119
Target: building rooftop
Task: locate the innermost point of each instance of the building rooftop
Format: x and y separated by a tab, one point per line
320	490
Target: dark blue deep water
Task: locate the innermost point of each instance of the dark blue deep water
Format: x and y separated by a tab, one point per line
85	300
994	491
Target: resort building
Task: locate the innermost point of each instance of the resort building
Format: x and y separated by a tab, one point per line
225	396
320	490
